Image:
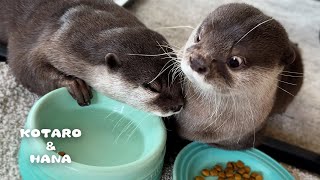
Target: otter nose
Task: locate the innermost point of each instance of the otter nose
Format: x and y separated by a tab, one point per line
199	66
176	108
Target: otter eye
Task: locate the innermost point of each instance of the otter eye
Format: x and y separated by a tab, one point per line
198	38
235	62
154	87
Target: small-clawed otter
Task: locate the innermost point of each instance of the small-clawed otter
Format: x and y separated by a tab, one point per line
240	68
80	44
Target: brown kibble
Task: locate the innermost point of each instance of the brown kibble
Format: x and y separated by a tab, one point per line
222	174
233	171
240	164
199	178
213	172
61	153
246	176
229	165
241	171
229	174
235	167
259	177
237	177
254	174
205	172
218	168
247	169
228	169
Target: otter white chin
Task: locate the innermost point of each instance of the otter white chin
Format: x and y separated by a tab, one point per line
239	65
79	44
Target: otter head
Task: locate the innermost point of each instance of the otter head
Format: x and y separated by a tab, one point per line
130	65
234	49
113	52
232	60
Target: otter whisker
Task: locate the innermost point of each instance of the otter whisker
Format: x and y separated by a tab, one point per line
175	27
199	95
217	118
127	127
164	50
242	125
114	127
173	47
239	137
286	91
282	88
175	59
182	81
120	121
280	80
221	125
161	71
194	93
213	113
290	72
234	114
148	55
175	69
168	56
109	115
132	132
176	72
291	75
253	122
253	29
287	83
282	73
174	75
171	71
122	131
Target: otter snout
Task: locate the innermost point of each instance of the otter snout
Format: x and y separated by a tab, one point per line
199	66
173	106
169	104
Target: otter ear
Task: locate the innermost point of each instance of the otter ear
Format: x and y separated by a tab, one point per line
289	56
113	61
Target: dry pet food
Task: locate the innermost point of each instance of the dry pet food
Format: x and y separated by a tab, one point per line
61	153
233	171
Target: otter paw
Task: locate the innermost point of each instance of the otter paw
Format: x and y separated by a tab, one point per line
79	90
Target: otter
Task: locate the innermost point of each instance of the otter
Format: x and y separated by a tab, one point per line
240	69
84	44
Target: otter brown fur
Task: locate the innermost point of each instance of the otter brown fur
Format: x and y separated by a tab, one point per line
81	44
241	68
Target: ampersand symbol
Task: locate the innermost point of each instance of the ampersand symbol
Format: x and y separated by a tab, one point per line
50	146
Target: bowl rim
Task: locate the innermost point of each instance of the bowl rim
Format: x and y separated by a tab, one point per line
39	144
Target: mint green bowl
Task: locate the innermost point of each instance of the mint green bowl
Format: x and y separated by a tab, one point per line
118	141
198	156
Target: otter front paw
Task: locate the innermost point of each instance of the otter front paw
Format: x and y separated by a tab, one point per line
79	90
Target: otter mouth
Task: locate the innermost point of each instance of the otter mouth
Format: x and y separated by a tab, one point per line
201	81
161	114
192	75
198	79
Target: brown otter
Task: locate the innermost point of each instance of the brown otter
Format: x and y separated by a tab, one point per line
80	44
240	68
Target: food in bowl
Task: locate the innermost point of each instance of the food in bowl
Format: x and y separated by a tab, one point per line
234	170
